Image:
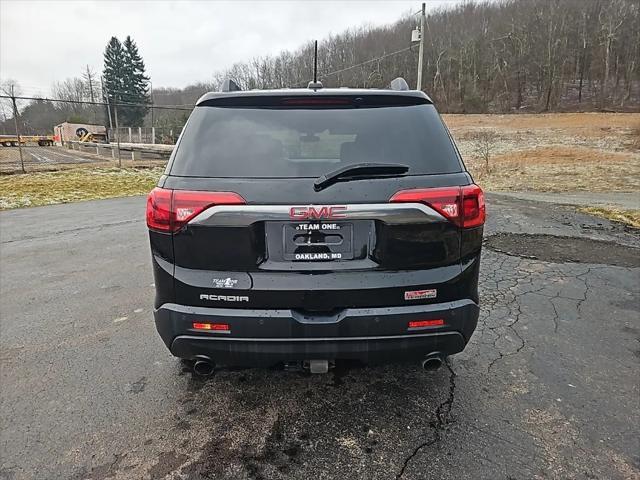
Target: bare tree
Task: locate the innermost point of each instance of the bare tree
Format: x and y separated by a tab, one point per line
91	84
484	142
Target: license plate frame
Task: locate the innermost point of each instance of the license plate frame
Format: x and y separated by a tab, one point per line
317	241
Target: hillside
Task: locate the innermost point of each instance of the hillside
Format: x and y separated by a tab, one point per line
502	56
505	56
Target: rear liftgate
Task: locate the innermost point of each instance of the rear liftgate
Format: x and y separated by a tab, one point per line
304	238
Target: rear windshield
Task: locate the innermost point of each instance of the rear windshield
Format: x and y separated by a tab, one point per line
255	142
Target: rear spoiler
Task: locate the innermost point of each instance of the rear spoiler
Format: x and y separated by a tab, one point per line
311	99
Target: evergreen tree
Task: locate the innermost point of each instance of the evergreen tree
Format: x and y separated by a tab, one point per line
114	73
125	81
137	83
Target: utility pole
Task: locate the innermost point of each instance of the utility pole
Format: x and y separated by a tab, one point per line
90	80
421	51
15	121
105	94
151	97
115	109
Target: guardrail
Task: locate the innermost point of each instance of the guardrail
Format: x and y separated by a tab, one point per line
135	150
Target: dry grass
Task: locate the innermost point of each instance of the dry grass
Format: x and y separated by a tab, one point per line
595	152
71	185
628	217
560	169
565	121
635	137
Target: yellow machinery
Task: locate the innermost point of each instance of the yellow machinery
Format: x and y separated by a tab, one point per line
12	140
94	137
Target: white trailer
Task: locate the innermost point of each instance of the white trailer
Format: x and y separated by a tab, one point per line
67	132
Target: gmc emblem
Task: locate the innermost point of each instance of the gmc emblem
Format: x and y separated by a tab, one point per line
317	213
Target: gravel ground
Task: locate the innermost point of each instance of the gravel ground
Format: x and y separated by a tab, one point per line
547	388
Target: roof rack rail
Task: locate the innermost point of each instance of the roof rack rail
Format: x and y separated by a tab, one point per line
229	86
399	84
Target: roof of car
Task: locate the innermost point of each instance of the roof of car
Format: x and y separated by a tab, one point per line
294	92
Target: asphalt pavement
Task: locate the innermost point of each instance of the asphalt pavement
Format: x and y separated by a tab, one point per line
34	156
547	388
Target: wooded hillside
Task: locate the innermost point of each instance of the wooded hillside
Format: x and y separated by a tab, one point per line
491	56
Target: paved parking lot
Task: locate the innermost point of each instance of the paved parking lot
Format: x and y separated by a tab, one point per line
42	158
548	387
34	156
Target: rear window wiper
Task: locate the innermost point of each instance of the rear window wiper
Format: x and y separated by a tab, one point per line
359	171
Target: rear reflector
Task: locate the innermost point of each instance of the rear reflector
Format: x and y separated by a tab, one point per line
170	210
426	323
211	326
463	206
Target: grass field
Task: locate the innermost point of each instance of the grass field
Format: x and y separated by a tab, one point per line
596	152
628	217
71	185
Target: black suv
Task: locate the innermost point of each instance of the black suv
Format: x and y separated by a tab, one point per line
305	226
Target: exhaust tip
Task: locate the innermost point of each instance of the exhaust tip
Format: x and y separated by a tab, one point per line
318	366
432	363
204	367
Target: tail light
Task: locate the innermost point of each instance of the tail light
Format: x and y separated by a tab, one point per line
218	327
170	210
463	206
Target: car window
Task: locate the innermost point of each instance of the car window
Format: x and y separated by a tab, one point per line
307	142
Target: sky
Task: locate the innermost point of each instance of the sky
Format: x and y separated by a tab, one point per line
181	42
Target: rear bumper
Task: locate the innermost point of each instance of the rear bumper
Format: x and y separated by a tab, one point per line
267	337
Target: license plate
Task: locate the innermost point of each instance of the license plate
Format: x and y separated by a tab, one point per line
317	241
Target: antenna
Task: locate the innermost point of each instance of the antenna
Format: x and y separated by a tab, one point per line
315	62
315	84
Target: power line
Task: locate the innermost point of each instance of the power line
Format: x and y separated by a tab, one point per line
55	85
186	107
36	93
368	61
156	92
372	60
126	96
190	106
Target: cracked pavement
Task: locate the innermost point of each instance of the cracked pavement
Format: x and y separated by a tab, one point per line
547	388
